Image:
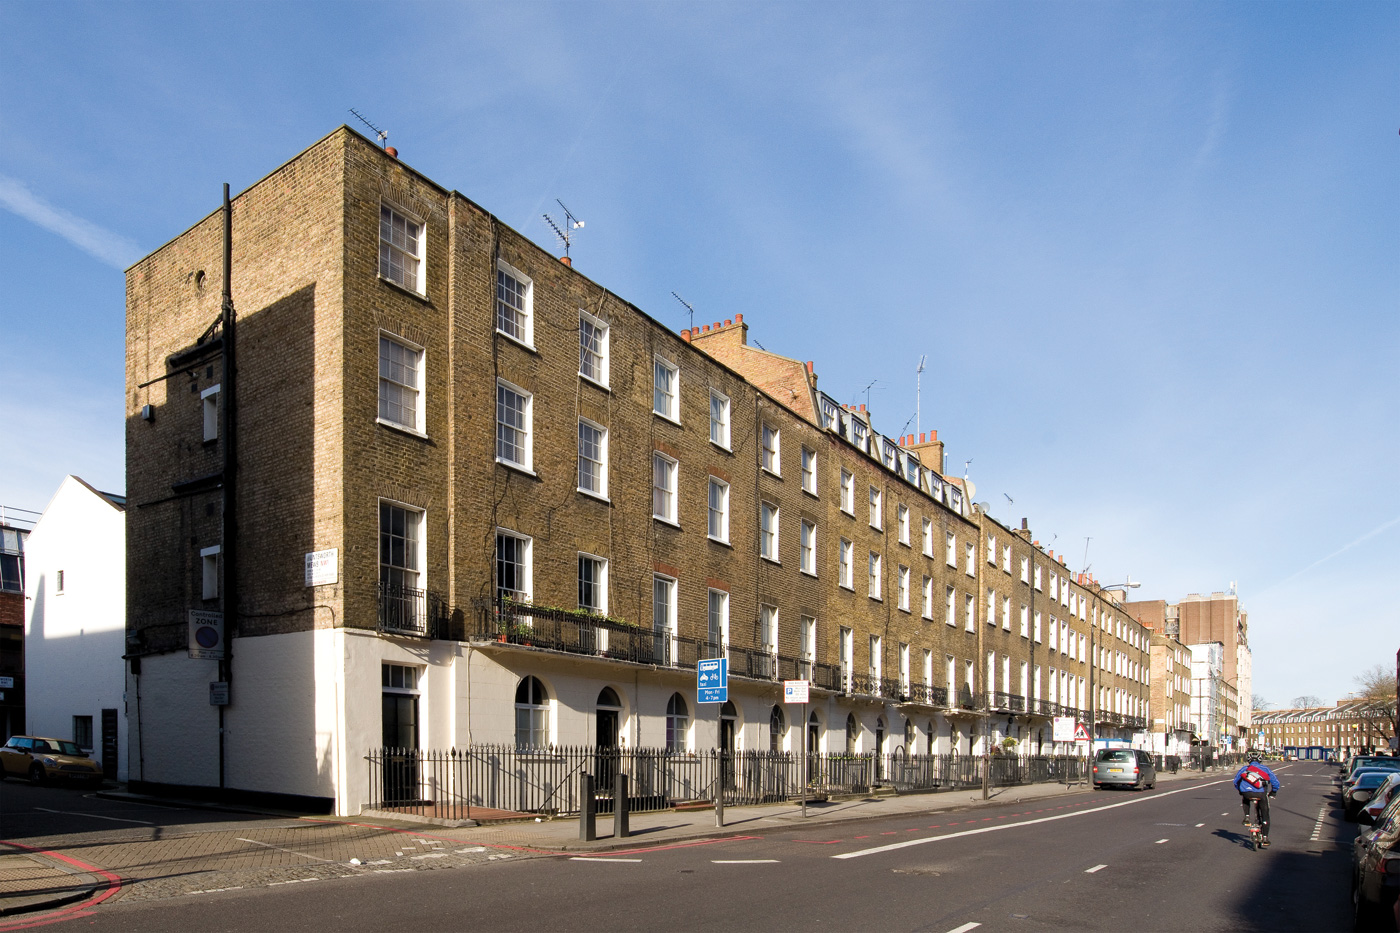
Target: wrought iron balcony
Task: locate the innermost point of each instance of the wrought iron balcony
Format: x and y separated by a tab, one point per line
407	611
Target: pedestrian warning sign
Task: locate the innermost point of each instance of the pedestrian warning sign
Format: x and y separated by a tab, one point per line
1081	733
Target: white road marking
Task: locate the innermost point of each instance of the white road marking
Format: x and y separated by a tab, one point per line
743	861
273	884
1317	827
1224	814
1003	826
1159	842
965	927
591	858
1199	825
267	845
1090	871
95	816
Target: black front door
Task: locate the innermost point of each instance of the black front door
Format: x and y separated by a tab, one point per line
400	748
605	738
109	744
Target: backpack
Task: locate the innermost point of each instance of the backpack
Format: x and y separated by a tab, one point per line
1255	777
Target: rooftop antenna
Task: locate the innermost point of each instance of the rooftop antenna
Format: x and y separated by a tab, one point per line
688	307
571	223
1009	499
1086	555
381	135
919	395
866	390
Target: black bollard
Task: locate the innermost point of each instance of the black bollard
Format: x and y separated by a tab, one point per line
621	811
588	810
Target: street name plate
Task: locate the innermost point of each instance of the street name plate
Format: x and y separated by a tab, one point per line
323	567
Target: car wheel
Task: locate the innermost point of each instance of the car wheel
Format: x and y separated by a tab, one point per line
36	774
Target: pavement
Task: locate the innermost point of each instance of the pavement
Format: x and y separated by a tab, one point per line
257	848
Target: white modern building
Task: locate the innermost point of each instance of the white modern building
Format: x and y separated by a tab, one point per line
75	622
1207	688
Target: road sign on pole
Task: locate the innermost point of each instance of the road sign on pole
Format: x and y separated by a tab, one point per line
796	691
1063	730
712	680
1081	733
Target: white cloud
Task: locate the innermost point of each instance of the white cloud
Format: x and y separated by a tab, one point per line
112	249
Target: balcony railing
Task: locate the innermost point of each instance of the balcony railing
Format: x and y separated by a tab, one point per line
1008	702
407	611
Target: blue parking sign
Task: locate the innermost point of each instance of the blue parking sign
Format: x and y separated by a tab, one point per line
712	680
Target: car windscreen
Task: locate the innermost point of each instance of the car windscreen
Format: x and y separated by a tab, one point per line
68	748
1115	754
1372	779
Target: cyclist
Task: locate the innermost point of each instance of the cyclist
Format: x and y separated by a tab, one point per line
1257	783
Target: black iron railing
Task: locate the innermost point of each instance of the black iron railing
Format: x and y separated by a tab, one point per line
1010	702
501	780
407	611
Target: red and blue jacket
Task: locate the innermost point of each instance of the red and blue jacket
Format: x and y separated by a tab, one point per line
1255	778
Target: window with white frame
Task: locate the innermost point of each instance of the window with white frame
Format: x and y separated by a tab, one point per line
809	547
809	639
1054	634
665	397
718	619
829	413
592	458
663	605
400	249
970	607
513	566
768	531
952	550
719	419
514	411
663	487
860	434
768	628
593	584
952	616
677	724
209	573
531	714
844	561
991	609
970	564
876	513
1006	613
873	587
809	471
992	550
928	676
1006	558
1025	621
902	582
719	510
950	674
1037	577
991	672
848	494
592	348
515	305
771	453
400	546
1037	628
209	408
1025	570
1054	585
904	668
876	668
848	652
400	383
928	537
927	597
902	516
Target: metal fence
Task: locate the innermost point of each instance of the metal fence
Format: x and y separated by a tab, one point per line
500	780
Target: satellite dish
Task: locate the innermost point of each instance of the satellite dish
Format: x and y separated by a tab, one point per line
969	487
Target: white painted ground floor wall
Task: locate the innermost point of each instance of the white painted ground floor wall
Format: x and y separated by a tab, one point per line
308	707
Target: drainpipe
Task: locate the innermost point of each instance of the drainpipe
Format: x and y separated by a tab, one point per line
228	545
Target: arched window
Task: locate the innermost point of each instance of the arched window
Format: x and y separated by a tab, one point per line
607	698
852	730
777	725
531	714
910	739
677	723
814	734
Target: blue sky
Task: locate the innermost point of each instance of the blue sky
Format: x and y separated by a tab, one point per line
1151	250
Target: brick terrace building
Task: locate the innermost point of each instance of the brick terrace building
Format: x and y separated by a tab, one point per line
534	509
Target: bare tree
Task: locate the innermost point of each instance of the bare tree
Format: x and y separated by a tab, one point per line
1306	701
1261	704
1376	688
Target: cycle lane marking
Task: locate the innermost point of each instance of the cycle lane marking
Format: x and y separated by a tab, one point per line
1002	826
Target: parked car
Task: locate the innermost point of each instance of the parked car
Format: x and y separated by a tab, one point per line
1359	773
1375	875
1124	767
42	759
1382	796
1357	762
1361	790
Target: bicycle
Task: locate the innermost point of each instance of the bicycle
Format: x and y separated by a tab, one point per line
1256	832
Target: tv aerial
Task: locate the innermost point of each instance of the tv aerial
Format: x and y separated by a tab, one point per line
688	306
381	135
565	233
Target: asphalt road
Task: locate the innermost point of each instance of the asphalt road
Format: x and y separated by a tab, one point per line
1171	859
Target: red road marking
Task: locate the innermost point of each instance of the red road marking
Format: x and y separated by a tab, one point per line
914	830
862	837
114	884
935	826
888	832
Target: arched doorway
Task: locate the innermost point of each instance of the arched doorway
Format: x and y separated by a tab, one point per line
728	716
606	738
879	749
777	725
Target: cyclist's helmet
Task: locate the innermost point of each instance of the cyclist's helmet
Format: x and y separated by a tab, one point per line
1254	758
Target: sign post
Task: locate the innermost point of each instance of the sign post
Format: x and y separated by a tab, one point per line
712	686
799	691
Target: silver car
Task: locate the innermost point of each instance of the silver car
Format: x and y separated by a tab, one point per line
1124	767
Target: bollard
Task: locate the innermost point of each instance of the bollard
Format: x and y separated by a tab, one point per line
587	810
719	796
621	811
